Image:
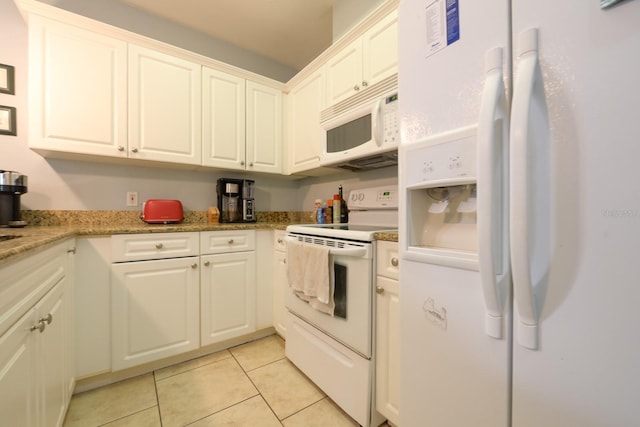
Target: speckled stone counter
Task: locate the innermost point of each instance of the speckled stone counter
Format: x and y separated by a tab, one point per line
387	236
48	227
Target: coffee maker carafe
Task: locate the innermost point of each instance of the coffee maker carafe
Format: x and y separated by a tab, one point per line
229	199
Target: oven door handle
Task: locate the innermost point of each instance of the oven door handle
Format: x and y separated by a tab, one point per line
354	252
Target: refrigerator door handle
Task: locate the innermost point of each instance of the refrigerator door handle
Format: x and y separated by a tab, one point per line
521	188
492	247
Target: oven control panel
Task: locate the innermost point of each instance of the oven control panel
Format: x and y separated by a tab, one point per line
374	198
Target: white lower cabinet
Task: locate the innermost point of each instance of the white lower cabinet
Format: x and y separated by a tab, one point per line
227	296
387	332
227	285
280	283
35	375
154	303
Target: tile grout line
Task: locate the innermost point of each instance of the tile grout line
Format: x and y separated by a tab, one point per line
256	387
155	387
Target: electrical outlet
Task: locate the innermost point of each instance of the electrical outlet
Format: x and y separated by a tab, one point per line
132	198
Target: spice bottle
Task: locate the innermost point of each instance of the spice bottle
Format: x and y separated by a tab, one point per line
328	212
336	209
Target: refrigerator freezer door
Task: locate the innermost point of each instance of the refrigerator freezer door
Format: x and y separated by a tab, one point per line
584	371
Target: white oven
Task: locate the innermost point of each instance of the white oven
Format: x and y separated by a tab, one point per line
337	352
351	321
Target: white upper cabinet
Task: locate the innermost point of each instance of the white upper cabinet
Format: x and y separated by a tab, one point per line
223	119
242	123
264	128
366	61
164	107
77	90
306	100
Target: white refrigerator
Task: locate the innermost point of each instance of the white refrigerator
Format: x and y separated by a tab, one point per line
560	344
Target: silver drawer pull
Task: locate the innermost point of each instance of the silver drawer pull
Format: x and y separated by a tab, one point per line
40	327
230	241
379	290
280	241
159	245
194	265
48	318
207	263
394	261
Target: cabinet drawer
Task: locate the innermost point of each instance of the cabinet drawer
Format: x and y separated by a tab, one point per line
24	282
217	242
136	247
279	243
387	260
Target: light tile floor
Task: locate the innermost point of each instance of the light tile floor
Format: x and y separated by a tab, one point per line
249	385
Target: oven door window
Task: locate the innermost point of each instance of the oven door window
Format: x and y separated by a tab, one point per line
340	291
349	135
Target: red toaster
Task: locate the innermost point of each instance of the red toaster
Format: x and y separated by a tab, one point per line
160	211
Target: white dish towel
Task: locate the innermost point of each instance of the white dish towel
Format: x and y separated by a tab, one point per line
311	275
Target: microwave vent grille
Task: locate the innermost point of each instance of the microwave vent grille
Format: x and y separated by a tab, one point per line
384	87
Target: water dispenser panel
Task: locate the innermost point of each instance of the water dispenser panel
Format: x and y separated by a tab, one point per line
443	157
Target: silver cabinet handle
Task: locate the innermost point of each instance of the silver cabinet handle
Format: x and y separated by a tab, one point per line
251	164
194	265
159	245
379	290
241	162
394	261
134	150
230	241
40	327
356	88
365	84
71	250
207	263
48	318
120	148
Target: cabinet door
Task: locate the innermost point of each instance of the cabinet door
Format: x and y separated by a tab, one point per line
264	128
53	348
344	73
223	120
227	296
17	376
77	90
306	101
380	50
154	312
388	348
164	107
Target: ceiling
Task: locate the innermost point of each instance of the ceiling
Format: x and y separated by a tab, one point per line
291	32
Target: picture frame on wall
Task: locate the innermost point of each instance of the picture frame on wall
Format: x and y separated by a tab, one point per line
7	79
8	120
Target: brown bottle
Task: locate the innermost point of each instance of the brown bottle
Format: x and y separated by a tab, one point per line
344	210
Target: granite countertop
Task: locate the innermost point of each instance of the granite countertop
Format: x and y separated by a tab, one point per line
42	235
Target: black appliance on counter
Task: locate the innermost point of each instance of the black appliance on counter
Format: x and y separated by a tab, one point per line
236	200
12	185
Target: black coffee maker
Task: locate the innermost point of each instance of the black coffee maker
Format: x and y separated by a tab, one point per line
235	200
12	185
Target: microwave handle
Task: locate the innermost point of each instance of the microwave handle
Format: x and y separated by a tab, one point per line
376	122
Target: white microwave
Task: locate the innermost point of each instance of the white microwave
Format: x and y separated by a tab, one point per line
364	137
